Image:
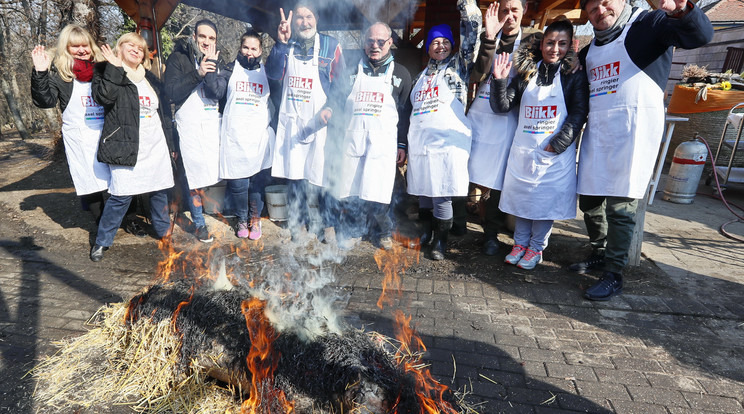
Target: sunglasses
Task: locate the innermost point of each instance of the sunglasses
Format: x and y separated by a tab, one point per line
378	42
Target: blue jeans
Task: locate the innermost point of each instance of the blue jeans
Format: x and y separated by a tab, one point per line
116	207
194	203
301	195
247	195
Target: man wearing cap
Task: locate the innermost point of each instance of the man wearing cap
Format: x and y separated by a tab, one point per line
627	64
309	65
376	117
493	132
439	134
197	116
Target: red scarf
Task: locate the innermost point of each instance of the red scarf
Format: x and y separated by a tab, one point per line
83	70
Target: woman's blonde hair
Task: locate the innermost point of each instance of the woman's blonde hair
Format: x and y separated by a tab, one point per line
73	34
138	41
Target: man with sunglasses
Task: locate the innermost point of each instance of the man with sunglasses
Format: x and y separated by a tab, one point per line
375	129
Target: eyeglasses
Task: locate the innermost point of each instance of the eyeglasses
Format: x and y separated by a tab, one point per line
378	42
437	43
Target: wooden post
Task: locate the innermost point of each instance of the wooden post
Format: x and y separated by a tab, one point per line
634	253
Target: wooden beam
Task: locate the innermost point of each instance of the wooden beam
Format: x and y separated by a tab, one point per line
550	4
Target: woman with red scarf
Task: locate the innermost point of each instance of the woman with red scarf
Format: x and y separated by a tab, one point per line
68	81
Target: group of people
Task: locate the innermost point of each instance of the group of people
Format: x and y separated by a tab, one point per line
335	134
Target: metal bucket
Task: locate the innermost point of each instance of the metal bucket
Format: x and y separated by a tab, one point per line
276	202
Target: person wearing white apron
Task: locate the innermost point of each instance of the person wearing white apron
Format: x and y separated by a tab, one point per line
627	65
540	181
374	140
197	117
135	138
82	117
439	135
309	65
493	132
247	138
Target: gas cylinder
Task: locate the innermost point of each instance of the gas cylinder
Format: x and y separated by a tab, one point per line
685	172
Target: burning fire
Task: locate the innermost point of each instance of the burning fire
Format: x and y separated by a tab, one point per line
262	361
429	392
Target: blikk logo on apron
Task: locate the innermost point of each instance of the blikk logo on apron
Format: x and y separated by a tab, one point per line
93	111
248	93
604	79
428	97
146	108
300	89
541	119
368	103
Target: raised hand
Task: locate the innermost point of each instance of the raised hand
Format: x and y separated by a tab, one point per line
285	27
110	56
501	66
207	64
40	58
671	6
493	24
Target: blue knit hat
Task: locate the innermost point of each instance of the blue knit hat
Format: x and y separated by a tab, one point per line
440	30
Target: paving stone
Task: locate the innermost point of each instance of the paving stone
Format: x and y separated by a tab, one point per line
570	371
596	405
621	377
516	340
582	336
634	407
534	369
574	358
657	396
542	355
533	332
713	403
557	344
673	382
602	389
551	384
723	387
637	364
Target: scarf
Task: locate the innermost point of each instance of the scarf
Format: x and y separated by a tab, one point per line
83	70
376	65
602	37
134	75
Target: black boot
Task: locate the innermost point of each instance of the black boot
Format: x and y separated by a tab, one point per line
439	244
426	217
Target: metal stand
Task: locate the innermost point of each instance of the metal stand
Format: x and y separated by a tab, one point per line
729	173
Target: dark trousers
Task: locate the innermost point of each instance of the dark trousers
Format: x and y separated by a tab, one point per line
116	208
494	217
610	222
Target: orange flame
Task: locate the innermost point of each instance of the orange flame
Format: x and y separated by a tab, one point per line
262	361
429	392
394	262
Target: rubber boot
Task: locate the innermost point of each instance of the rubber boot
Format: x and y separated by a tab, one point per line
426	217
439	244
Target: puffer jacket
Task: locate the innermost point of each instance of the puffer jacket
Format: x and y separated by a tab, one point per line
112	89
574	84
47	89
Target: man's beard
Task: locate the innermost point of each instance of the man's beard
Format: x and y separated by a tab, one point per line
307	34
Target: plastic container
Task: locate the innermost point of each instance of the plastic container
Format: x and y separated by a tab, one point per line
276	202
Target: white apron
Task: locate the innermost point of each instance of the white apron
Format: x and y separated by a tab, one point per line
299	152
492	134
438	140
82	122
371	140
625	125
540	185
246	139
152	172
198	124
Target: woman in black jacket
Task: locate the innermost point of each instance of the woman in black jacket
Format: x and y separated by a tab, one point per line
136	138
67	82
553	100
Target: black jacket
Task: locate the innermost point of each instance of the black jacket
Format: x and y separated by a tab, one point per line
181	75
47	88
574	85
112	89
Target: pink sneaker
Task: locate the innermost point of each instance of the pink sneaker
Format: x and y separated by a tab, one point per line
516	253
530	259
243	229
255	233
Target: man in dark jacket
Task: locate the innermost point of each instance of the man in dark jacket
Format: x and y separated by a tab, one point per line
627	65
197	117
